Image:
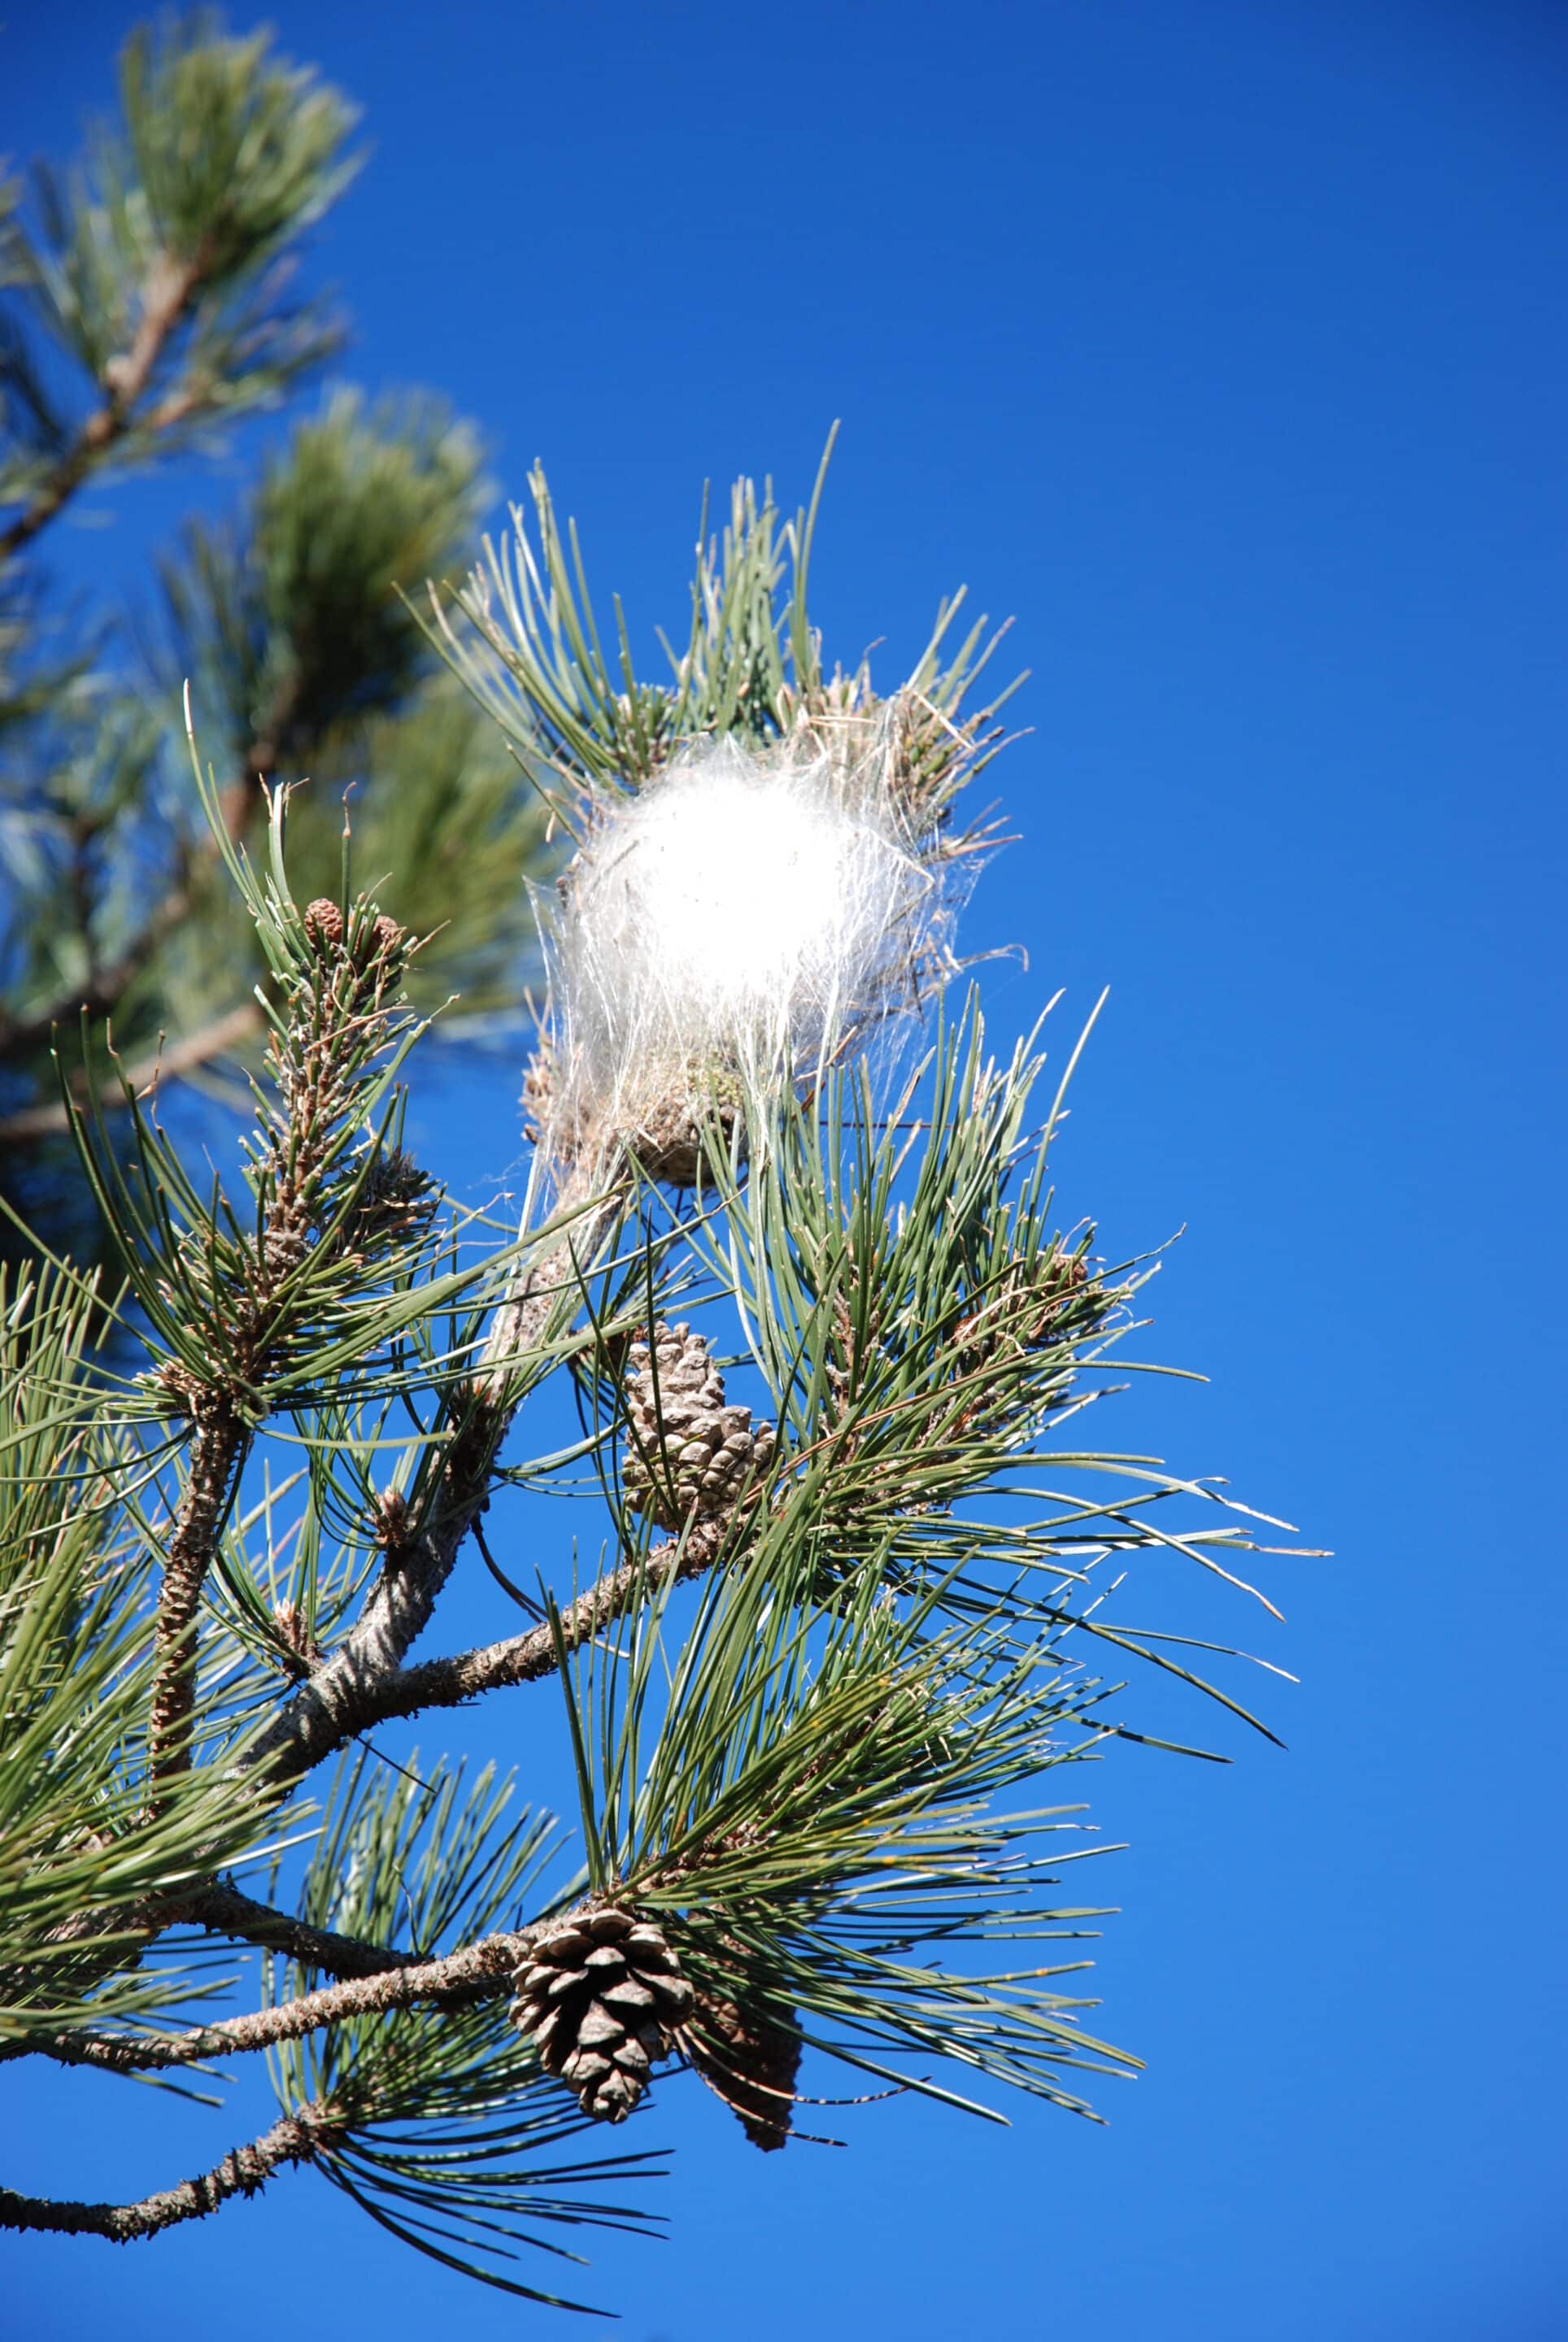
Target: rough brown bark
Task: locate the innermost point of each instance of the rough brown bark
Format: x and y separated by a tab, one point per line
226	1910
478	1972
217	1455
296	2138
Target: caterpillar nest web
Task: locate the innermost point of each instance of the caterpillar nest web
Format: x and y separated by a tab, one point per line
753	908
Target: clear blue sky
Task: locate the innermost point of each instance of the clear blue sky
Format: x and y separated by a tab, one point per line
1225	346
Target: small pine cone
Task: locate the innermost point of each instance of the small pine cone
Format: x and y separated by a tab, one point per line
598	1994
387	936
389	1517
300	1649
397	1203
373	942
323	924
688	1453
751	2061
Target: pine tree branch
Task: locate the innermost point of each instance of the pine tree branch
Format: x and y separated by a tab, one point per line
480	1971
355	1684
216	1039
102	990
217	1456
167	298
321	1063
339	1703
298	2138
319	1718
226	1910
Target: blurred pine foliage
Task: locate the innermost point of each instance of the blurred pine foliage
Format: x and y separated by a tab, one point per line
148	295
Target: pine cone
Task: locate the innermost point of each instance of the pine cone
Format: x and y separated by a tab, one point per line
300	1649
598	1995
398	1202
323	924
688	1453
751	2061
668	1142
681	1108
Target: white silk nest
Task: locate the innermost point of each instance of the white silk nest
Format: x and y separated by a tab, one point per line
754	914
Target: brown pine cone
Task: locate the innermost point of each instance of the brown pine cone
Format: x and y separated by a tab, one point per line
752	2063
667	1141
598	1995
688	1452
323	924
